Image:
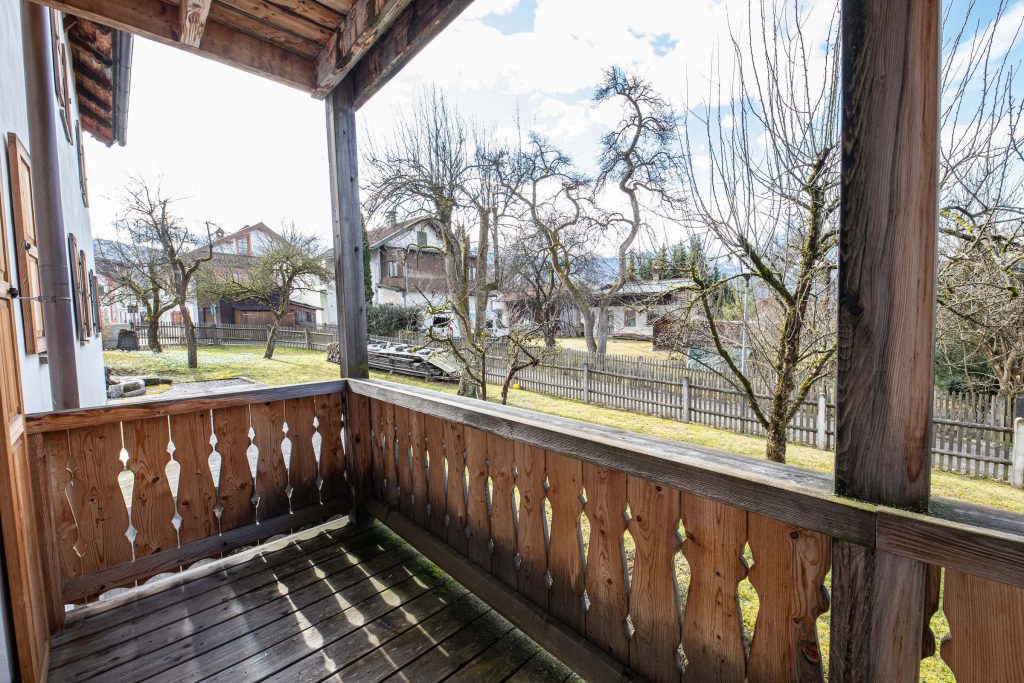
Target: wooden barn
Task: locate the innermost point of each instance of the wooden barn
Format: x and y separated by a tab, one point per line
491	542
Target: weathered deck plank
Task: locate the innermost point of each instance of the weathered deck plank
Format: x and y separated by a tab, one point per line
343	603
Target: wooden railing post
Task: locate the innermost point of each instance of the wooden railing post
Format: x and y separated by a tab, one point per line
887	269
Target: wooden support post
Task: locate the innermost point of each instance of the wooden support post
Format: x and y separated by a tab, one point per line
348	231
887	266
822	422
343	159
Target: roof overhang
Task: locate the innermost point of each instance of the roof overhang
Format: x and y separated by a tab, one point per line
308	45
101	60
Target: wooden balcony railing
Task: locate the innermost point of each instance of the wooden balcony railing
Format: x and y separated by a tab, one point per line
624	554
126	492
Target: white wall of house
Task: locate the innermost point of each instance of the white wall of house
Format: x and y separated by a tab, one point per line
14	118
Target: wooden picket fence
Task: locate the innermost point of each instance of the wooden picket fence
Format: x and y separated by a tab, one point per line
973	433
312	337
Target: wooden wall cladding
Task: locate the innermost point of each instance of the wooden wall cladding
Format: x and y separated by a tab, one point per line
649	574
135	497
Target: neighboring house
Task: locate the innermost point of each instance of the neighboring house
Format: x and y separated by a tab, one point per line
83	68
407	267
524	307
638	306
233	253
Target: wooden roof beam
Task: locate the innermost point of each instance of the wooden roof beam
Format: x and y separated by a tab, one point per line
193	20
361	28
420	23
161	22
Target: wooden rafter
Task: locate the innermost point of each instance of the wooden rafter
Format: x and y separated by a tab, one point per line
193	20
161	22
362	27
420	23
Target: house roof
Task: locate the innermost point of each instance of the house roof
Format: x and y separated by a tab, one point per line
378	237
101	62
653	286
255	227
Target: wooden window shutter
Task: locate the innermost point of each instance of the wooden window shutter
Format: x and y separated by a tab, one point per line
77	302
83	279
27	245
94	294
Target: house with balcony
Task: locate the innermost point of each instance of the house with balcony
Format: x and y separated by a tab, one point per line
407	267
358	529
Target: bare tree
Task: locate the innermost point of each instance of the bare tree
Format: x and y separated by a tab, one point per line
149	221
981	213
639	158
287	267
535	294
433	166
137	275
550	199
769	201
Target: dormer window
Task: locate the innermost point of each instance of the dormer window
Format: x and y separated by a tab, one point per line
242	245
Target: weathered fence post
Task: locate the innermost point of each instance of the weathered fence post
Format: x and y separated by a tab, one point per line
306	331
1018	452
686	399
822	421
586	382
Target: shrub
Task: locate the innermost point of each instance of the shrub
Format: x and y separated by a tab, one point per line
388	319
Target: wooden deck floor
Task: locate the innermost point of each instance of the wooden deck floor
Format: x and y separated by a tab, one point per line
336	604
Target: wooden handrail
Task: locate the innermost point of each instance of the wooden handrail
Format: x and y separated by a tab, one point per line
600	543
988	543
38	423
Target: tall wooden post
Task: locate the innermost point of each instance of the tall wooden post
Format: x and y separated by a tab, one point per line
348	273
348	230
887	265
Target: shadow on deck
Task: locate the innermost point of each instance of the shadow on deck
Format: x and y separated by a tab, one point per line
336	602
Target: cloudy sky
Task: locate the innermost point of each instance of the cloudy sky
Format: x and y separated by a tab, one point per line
240	149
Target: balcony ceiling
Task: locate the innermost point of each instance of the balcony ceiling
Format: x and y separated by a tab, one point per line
307	44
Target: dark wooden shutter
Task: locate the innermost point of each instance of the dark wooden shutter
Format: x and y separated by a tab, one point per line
83	279
26	244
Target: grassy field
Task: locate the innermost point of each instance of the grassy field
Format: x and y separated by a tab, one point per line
297	365
625	347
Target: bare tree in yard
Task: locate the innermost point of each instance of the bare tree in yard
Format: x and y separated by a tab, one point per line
768	200
287	267
137	275
639	158
433	166
536	294
981	208
550	199
148	220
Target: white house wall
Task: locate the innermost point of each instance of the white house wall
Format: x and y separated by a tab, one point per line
14	118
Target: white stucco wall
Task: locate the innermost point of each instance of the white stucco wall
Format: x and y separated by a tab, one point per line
14	118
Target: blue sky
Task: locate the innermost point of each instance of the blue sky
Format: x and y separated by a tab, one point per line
243	149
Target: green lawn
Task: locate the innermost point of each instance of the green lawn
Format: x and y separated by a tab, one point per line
625	347
298	365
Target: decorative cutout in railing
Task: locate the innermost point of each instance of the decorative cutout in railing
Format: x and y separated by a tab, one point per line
647	573
131	497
